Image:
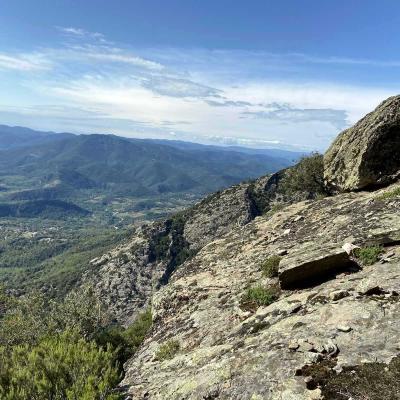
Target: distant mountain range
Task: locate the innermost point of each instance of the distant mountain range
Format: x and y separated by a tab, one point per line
17	136
279	153
57	164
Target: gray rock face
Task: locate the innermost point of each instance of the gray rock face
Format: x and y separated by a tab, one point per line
217	215
309	262
230	353
368	154
126	277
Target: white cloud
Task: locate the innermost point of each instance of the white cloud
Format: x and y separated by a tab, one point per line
221	96
73	31
355	100
178	87
303	123
116	56
288	114
25	62
81	33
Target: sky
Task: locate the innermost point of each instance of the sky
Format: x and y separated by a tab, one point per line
287	74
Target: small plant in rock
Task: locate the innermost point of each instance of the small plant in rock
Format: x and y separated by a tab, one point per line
276	208
390	194
368	255
369	381
257	296
123	257
168	350
270	266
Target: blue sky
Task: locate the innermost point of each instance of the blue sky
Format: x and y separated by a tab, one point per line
259	73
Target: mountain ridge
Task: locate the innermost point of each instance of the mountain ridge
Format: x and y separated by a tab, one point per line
129	165
18	136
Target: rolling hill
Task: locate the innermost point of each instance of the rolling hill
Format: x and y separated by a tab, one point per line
129	167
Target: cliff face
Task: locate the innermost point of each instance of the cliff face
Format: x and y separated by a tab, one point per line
254	301
126	277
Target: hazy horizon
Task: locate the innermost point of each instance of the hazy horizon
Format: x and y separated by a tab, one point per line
283	75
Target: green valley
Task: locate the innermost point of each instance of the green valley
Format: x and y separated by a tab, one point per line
66	199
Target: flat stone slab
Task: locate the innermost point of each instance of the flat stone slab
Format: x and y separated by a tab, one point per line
310	263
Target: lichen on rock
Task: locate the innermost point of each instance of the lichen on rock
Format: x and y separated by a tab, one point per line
367	154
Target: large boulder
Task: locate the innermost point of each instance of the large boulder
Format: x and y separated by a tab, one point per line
310	262
368	154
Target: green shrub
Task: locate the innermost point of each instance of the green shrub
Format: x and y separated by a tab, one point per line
368	255
26	320
259	199
276	208
63	350
168	350
160	246
135	334
257	296
125	341
82	311
390	194
34	316
306	176
60	367
5	301
270	266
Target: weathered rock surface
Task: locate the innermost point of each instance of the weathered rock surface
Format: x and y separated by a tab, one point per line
367	154
310	262
125	277
229	353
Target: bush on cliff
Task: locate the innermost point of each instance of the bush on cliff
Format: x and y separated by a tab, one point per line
270	266
64	366
306	176
257	296
126	341
167	350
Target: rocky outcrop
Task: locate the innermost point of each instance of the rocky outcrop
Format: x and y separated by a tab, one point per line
367	154
226	352
308	262
218	214
126	277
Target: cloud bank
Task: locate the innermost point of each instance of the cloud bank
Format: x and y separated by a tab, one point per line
89	84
